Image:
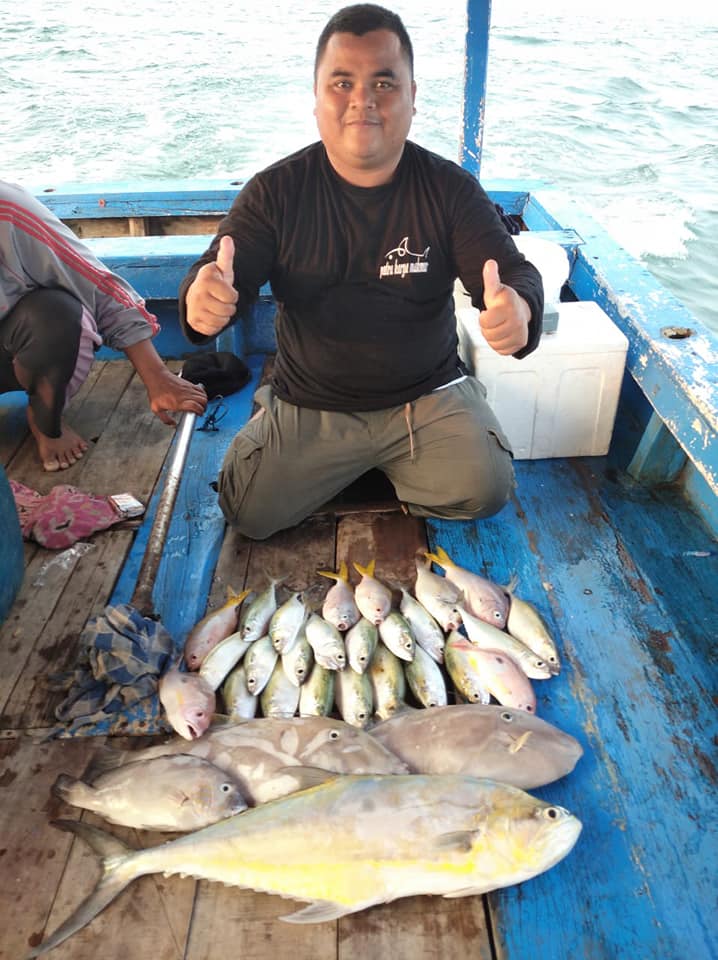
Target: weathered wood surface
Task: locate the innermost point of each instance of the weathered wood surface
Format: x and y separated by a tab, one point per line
626	580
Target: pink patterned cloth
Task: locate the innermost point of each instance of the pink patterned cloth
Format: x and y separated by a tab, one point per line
62	517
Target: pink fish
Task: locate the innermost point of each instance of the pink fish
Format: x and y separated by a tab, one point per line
188	700
339	606
372	597
493	670
482	598
215	626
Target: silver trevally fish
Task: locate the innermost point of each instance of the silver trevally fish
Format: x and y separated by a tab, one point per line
257	612
212	628
178	792
268	756
480	740
372	840
526	624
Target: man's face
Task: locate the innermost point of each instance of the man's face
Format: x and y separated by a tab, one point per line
364	103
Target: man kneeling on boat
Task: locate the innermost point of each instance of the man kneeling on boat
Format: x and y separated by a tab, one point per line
361	237
58	304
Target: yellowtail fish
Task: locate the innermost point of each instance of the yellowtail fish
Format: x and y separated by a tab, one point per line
212	628
482	598
371	595
297	661
189	702
339	607
280	697
480	740
176	793
526	624
372	840
491	670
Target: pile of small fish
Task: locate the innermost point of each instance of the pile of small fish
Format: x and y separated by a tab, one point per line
458	638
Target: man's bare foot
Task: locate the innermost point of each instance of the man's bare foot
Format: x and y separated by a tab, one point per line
57	453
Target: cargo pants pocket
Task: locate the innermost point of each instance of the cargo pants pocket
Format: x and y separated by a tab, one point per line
240	466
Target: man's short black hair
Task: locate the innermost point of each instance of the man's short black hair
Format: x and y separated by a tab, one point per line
362	18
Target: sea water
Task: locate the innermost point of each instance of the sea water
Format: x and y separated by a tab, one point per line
615	103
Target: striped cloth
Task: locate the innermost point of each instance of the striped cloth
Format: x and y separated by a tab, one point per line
114	688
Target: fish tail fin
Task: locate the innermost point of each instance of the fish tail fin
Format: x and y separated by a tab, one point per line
329	574
75	792
112	853
368	570
512	584
441	557
344	571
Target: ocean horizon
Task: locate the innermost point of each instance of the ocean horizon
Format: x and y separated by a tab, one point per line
617	107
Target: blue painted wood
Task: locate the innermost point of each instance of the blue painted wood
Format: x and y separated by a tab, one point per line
639	668
12	564
677	375
158	198
658	458
197	528
475	67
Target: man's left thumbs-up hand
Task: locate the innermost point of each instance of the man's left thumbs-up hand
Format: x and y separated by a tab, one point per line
505	321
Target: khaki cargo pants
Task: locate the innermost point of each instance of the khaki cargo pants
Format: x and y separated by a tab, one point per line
445	454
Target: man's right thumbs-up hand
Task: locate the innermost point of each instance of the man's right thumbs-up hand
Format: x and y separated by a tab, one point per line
211	298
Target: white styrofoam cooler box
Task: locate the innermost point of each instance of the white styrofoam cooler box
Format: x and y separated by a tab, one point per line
560	400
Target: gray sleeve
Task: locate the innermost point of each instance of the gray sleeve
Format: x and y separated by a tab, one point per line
38	250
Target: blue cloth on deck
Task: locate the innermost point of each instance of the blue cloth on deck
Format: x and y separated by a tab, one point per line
114	688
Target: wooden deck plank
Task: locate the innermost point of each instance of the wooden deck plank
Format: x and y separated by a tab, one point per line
32	853
637	881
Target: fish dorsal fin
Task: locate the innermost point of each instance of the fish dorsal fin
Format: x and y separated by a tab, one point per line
318	912
308	777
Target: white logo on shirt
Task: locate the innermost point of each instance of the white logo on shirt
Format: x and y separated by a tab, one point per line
401	260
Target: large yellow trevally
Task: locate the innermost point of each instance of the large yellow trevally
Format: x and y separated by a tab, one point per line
351	843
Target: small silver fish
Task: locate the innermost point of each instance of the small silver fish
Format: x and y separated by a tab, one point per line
460	659
491	638
425	679
316	696
438	596
240	704
388	682
427	632
327	643
297	661
280	697
361	641
222	658
286	622
526	624
396	633
354	697
259	663
256	614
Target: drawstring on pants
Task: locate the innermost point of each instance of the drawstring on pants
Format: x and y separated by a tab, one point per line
407	417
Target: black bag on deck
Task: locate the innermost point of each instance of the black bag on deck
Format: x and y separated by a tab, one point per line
220	373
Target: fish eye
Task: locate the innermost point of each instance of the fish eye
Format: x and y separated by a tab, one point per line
497	614
508	717
226	787
333	734
552	813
